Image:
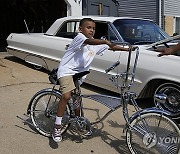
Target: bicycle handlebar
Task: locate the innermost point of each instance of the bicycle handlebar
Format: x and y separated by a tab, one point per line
118	62
126	74
136	49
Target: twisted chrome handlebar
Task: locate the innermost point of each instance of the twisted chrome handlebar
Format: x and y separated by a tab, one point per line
125	75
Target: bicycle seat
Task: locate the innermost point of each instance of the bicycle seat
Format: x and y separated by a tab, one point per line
78	76
53	76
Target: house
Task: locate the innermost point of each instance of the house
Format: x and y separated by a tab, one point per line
172	16
40	14
165	13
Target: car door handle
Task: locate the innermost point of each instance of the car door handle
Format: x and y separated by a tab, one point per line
67	46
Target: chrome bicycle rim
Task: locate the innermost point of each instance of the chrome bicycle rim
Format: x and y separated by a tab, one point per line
43	112
158	135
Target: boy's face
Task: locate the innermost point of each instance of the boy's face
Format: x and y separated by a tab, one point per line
88	29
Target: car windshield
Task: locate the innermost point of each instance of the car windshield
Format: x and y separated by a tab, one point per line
136	31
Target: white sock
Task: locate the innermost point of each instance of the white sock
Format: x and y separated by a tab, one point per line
58	120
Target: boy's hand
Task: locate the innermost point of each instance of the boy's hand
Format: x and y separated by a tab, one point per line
114	47
109	43
133	48
166	51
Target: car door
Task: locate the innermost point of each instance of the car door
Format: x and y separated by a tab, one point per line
62	38
98	77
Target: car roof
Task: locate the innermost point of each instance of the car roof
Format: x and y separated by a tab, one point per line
55	26
99	18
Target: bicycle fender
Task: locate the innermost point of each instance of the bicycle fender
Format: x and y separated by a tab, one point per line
38	93
150	110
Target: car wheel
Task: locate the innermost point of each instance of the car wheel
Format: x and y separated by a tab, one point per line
172	103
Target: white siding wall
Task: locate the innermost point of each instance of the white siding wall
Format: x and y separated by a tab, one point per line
74	8
148	9
172	7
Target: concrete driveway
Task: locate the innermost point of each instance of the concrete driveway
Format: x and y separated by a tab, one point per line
19	82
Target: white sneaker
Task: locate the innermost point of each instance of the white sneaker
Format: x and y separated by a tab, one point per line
56	135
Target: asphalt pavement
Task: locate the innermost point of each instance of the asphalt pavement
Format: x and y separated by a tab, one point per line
19	81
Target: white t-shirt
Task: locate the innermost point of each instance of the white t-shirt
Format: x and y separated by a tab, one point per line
79	56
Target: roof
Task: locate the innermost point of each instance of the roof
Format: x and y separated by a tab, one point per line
55	26
99	18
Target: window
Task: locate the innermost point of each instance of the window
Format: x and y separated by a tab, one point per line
177	28
103	31
68	29
139	31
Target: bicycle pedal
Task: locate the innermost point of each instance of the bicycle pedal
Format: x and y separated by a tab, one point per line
89	133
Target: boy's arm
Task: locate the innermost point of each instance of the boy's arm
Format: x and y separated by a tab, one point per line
96	41
168	51
177	47
112	46
118	48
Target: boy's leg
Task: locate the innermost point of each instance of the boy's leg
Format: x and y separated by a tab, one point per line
62	104
61	108
66	86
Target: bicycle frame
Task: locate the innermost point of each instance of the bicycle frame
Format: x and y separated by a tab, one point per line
123	95
122	101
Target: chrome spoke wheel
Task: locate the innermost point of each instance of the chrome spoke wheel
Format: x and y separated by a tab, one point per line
172	104
153	134
43	112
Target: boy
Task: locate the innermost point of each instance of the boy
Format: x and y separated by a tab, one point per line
78	58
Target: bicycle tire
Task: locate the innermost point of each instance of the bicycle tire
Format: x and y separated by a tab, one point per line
43	116
158	135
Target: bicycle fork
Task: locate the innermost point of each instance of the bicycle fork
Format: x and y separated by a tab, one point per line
129	97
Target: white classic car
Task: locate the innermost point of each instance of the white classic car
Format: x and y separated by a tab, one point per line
153	75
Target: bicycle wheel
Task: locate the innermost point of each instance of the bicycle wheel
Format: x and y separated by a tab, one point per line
43	112
153	134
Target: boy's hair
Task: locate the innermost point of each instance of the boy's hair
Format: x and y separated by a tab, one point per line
82	21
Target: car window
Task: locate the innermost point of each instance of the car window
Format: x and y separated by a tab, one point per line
68	29
112	35
101	30
104	31
137	31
